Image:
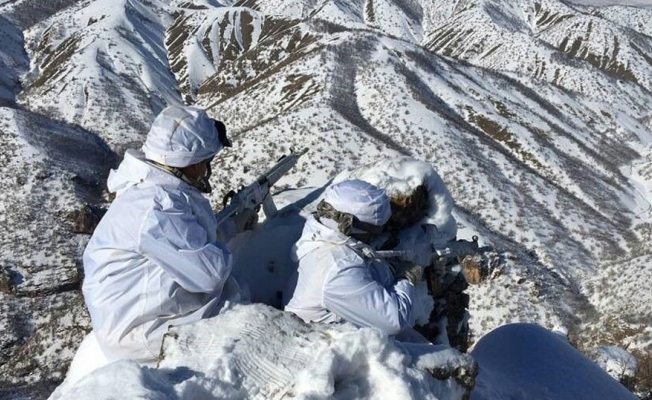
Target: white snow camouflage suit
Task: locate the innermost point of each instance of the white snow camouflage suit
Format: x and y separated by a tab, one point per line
153	261
336	282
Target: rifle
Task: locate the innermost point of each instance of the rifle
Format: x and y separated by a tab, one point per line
459	248
456	249
257	193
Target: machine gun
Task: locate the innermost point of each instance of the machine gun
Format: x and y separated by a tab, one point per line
437	255
458	249
257	193
445	287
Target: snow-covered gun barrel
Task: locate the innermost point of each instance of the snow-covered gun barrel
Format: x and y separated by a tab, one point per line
257	193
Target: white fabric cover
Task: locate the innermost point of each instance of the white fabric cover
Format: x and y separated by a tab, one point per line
153	261
360	199
401	176
181	136
337	283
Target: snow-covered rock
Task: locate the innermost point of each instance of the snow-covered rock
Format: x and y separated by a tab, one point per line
257	352
48	171
526	361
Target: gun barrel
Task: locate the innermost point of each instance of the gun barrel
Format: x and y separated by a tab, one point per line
453	249
264	182
281	168
458	249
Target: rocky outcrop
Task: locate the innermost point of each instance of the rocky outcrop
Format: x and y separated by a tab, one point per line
87	218
478	267
5	282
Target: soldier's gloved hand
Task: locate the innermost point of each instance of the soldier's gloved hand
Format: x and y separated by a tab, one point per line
246	220
413	273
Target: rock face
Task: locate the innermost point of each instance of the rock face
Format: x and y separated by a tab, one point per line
477	268
54	170
35	359
408	209
449	316
447	284
87	218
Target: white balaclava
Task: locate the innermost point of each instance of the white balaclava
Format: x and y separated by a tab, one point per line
182	136
360	199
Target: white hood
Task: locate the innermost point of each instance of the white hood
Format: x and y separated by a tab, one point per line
182	136
361	199
336	282
135	170
316	235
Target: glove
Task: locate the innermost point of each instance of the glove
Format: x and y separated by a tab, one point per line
412	273
246	220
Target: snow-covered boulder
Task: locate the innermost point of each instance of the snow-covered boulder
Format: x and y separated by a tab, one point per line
526	361
258	352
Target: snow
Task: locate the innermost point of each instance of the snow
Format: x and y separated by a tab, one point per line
616	361
604	3
267	270
566	198
257	352
526	361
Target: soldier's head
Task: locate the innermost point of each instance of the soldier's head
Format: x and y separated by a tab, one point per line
360	209
185	139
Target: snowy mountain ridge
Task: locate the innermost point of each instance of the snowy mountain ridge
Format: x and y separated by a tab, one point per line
99	54
535	114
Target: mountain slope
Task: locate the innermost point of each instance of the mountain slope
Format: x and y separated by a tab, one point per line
536	169
551	41
535	113
13	61
102	65
48	172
